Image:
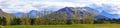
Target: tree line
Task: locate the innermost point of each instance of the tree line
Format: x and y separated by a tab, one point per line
56	18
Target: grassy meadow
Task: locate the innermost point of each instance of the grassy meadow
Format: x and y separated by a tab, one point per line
66	26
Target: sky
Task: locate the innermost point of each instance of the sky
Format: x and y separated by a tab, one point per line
13	6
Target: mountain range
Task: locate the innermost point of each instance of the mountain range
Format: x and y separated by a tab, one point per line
67	10
73	10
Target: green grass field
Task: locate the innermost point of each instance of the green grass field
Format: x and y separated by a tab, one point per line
65	26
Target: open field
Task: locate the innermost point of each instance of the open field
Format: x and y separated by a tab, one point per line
65	26
107	25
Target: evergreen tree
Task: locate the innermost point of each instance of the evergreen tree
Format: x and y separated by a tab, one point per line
3	21
15	21
0	20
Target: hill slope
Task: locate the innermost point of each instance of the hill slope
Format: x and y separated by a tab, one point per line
3	14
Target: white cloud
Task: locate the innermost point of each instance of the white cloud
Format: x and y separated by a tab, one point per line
64	4
23	6
17	6
26	5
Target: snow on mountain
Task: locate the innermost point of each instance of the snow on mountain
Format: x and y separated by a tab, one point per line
108	10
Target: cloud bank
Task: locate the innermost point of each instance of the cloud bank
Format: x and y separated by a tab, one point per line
12	6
